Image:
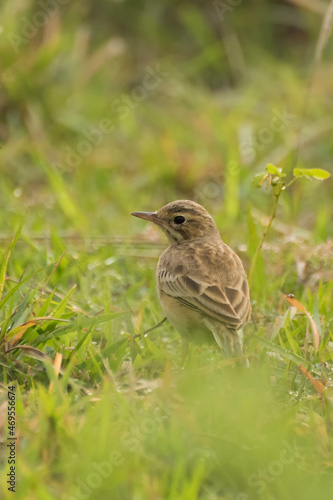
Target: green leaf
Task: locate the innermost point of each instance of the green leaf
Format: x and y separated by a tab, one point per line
60	308
78	324
15	288
290	336
258	179
11	248
273	170
282	352
315	173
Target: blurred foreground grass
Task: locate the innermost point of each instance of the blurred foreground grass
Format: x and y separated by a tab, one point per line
99	118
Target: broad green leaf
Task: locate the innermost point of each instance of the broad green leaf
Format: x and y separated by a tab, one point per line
292	342
273	170
315	173
42	311
283	353
60	309
258	179
77	324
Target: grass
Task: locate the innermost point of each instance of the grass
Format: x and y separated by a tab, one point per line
84	143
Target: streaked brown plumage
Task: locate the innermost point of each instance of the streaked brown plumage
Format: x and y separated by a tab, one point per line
202	285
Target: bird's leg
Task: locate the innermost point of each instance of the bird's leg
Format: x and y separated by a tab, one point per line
230	342
233	348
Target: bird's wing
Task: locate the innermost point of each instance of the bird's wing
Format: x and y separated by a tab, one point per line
218	288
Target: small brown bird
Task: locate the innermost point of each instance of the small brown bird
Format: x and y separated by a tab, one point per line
202	285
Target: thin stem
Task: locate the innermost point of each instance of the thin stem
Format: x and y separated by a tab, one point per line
145	333
290	183
256	253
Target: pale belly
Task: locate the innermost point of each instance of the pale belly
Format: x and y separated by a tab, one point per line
188	323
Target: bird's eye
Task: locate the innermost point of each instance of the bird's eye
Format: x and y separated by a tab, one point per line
179	219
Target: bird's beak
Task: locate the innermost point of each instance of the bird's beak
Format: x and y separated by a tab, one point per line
151	216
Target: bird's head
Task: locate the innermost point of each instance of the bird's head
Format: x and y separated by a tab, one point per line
182	220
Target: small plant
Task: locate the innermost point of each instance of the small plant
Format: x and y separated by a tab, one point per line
275	177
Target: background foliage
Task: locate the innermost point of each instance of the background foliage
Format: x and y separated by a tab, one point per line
113	106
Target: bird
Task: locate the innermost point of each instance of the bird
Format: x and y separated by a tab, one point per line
201	282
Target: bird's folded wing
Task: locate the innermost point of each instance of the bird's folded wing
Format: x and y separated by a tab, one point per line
225	300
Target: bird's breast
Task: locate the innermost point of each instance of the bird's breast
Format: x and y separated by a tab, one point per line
187	322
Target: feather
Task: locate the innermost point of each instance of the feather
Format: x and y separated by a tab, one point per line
212	282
